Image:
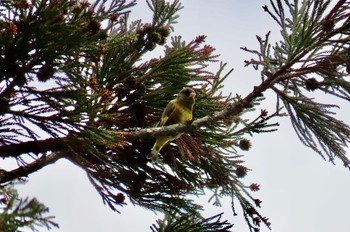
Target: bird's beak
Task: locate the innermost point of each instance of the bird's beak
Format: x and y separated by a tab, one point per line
193	95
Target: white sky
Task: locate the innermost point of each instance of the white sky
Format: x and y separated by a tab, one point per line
300	192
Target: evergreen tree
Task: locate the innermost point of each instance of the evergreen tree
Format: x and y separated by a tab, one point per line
75	85
17	213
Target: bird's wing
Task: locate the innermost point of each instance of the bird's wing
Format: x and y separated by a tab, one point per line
168	111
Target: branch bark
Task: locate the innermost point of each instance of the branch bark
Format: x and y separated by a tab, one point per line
24	171
36	147
229	112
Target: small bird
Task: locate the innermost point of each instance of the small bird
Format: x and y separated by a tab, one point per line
178	110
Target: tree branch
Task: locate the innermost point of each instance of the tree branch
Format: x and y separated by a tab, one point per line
24	171
38	146
229	112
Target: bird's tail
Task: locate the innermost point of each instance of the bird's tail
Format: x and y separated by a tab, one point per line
158	145
153	155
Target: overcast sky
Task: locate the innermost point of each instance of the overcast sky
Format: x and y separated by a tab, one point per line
299	191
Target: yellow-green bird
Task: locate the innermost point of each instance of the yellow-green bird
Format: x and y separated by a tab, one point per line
178	110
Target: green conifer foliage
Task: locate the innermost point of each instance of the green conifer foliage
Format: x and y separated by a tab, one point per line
17	213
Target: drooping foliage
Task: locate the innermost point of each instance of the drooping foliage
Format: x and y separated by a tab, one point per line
313	55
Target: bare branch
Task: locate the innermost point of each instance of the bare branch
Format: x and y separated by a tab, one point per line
36	147
30	168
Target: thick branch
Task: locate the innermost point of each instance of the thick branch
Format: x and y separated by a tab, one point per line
24	171
40	146
59	148
229	112
36	147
